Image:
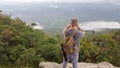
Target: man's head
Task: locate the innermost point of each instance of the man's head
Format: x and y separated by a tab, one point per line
74	22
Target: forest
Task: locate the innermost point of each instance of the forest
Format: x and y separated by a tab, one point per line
21	46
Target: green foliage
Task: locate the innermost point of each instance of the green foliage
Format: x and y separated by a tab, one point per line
21	45
51	52
89	52
103	47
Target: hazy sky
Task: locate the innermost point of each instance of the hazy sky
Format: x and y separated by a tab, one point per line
83	1
51	0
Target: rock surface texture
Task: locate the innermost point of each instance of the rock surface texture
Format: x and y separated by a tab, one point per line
80	65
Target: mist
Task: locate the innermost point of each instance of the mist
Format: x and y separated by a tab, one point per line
100	25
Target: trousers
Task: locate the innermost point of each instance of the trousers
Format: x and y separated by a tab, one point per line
73	58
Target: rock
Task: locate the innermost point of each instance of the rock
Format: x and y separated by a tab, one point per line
106	65
87	65
80	65
49	65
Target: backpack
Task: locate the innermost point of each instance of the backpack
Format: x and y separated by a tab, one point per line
69	45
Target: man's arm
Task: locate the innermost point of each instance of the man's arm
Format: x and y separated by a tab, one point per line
68	26
83	32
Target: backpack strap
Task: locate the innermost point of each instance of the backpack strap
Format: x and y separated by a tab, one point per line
66	34
70	35
73	33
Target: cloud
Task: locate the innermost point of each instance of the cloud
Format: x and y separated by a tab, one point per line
38	26
83	1
117	2
99	25
53	6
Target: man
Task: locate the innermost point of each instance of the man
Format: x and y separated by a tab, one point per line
79	33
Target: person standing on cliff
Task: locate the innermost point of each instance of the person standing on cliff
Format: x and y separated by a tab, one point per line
79	33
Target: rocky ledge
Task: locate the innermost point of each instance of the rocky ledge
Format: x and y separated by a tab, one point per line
80	65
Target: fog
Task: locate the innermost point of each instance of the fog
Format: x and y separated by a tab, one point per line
99	25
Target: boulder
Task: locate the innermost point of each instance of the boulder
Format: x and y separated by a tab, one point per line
49	65
80	65
106	65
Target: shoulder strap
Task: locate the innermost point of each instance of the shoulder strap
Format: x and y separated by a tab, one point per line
73	33
65	33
